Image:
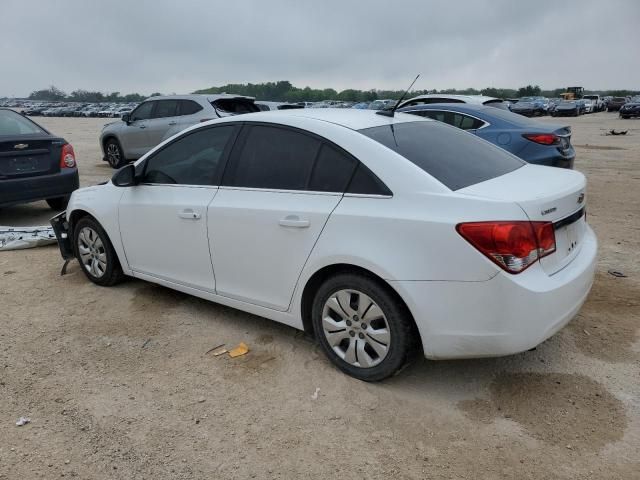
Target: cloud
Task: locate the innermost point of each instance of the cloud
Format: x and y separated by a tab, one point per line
179	46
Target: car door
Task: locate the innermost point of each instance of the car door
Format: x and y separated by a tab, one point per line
163	219
274	201
189	113
133	136
163	118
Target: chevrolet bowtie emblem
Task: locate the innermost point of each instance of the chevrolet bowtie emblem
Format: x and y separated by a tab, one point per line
21	146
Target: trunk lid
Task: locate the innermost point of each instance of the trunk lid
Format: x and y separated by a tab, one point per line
29	155
545	194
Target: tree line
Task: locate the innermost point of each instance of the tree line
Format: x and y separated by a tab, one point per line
284	91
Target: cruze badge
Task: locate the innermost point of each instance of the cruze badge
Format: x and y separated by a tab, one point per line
21	146
581	198
548	211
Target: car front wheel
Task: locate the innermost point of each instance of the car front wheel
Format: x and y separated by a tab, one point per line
114	153
95	253
363	328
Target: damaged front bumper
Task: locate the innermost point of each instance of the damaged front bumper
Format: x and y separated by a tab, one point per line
61	229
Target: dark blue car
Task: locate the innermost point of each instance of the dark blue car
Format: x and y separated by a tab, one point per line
531	140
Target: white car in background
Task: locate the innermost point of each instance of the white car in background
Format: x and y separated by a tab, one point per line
160	117
381	235
447	98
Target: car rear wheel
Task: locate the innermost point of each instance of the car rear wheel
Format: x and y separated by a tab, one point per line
362	327
114	153
59	203
95	253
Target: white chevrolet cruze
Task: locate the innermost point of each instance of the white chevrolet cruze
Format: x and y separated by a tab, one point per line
381	235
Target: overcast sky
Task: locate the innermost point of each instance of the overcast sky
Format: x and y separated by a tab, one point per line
181	45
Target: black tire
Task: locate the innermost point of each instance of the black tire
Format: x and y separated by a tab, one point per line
112	271
402	331
114	154
59	203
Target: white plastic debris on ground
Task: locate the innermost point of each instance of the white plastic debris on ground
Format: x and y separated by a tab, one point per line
15	238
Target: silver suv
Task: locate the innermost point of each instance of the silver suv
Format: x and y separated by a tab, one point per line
160	117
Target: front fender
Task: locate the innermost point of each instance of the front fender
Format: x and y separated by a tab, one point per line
101	202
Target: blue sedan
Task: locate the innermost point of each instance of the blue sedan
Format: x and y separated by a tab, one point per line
531	140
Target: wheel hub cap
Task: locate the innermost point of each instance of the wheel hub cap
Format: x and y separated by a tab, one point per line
93	255
356	328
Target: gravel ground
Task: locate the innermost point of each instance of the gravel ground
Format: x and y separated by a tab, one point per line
118	385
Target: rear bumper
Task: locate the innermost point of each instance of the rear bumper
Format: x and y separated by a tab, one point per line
502	316
61	229
32	189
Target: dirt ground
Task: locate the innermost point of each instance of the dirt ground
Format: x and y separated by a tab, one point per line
118	385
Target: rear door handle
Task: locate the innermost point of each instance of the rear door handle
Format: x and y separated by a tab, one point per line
294	221
172	123
189	214
143	126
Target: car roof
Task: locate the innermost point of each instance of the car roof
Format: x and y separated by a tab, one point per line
353	119
198	96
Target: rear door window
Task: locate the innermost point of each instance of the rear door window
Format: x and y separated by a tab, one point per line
166	108
454	158
273	158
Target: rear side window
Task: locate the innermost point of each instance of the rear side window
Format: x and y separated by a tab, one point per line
194	159
165	108
188	107
364	181
332	171
12	123
458	120
455	158
275	158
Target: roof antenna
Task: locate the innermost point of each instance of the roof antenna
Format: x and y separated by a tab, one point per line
390	112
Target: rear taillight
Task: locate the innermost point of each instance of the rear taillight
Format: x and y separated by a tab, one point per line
513	246
67	157
543	138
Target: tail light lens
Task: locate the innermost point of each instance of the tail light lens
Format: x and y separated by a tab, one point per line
543	138
513	246
67	157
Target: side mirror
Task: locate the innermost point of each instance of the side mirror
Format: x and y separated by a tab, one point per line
125	177
126	118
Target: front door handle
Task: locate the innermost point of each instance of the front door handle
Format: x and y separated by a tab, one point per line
189	214
172	123
294	221
143	126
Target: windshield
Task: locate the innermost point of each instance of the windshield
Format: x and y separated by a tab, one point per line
456	158
12	123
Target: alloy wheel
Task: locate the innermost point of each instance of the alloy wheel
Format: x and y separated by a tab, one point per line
356	328
113	154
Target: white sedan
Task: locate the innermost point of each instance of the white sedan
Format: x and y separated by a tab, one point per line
381	235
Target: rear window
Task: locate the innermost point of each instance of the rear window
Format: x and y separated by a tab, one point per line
455	158
12	123
497	103
235	105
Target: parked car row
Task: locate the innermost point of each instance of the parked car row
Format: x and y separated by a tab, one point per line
80	110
